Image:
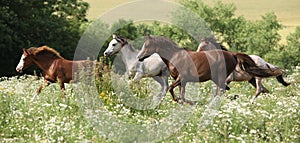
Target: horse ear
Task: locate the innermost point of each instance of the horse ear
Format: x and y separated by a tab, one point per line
114	36
25	51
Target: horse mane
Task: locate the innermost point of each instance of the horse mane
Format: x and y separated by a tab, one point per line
161	41
44	49
131	48
124	41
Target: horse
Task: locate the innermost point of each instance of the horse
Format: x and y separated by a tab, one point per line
201	66
239	75
54	67
153	66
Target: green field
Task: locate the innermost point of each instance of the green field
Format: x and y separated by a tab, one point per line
287	11
106	116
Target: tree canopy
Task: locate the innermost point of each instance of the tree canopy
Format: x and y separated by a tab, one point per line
61	23
24	24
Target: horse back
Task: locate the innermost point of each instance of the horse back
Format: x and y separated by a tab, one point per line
217	61
65	69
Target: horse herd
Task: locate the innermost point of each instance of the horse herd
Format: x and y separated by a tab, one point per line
160	58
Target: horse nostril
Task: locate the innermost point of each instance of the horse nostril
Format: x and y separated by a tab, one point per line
106	54
19	70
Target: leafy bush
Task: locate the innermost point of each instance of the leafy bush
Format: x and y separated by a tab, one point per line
32	23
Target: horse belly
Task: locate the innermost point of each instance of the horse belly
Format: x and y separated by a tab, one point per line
154	66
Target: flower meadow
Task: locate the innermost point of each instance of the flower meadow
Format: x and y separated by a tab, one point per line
92	117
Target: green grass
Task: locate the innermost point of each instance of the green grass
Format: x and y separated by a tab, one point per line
106	116
287	11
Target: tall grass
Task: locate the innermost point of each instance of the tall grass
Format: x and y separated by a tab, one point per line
274	117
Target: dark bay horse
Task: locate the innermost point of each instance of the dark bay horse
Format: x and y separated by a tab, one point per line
54	67
187	66
240	75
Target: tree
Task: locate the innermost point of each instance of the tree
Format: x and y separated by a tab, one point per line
253	37
25	24
287	55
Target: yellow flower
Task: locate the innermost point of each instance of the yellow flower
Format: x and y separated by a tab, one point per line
11	92
102	95
237	85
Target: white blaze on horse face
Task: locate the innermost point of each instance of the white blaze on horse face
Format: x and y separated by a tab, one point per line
20	66
113	47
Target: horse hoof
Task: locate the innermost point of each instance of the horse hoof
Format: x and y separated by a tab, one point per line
33	98
194	103
180	101
191	102
227	88
252	101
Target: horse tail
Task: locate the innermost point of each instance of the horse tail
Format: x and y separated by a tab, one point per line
276	71
281	80
248	65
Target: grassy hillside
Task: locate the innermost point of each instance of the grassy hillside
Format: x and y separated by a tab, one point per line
287	11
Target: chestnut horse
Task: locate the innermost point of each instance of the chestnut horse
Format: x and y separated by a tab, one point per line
187	66
54	67
240	75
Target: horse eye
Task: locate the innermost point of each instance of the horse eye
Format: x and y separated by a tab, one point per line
114	44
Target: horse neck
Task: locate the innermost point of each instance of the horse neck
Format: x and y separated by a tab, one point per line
167	54
128	54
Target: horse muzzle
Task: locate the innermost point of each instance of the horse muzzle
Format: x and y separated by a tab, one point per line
19	69
106	54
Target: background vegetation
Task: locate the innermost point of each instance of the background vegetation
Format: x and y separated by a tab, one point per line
25	24
59	24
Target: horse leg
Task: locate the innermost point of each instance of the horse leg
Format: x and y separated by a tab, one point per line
163	81
182	94
165	84
38	91
259	89
228	80
252	81
172	86
160	81
137	77
62	87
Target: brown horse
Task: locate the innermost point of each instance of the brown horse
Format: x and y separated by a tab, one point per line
187	66
54	67
240	75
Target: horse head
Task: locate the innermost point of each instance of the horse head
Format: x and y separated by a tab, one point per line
204	43
147	50
115	45
25	61
210	43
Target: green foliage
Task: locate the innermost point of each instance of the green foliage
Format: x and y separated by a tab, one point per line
287	55
292	49
253	37
32	23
